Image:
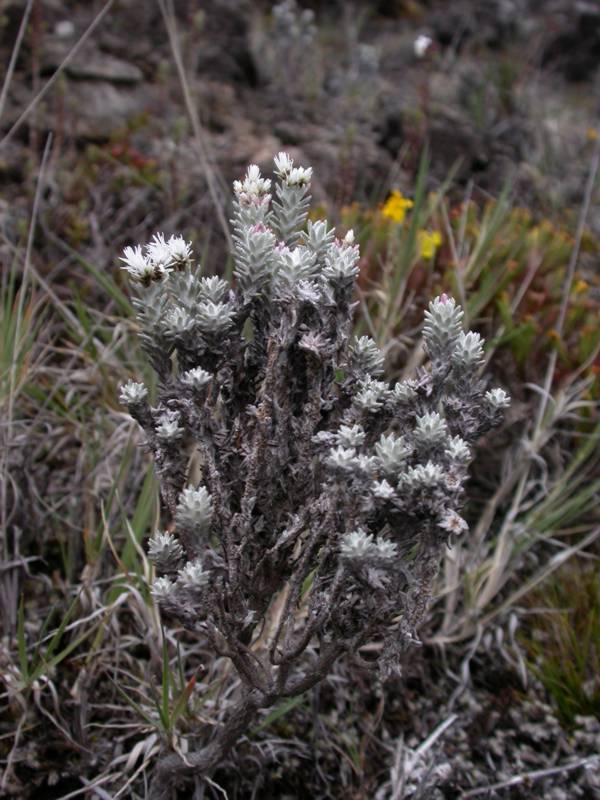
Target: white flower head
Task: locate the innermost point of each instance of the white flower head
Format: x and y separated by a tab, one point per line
423	476
283	164
214	318
442	325
213	288
452	522
162	588
342	458
132	393
468	350
384	549
165	551
371	395
366	356
194	509
349	238
366	463
159	252
196	378
139	267
181	252
178	321
421	45
497	399
254	189
383	490
299	176
168	429
308	292
356	544
431	429
193	575
392	451
350	436
405	391
458	450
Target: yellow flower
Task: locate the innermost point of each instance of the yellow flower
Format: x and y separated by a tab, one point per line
428	243
580	287
395	206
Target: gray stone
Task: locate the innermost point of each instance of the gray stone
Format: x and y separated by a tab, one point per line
104	67
96	109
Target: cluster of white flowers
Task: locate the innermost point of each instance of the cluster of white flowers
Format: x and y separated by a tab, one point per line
350	436
392	452
498	399
168	429
177	322
442	326
196	378
165	551
453	523
214	318
468	350
160	257
431	429
405	391
193	574
132	393
359	545
371	395
318	237
293	265
253	189
383	490
341	261
365	356
191	577
289	174
194	510
342	458
423	476
458	450
295	433
162	588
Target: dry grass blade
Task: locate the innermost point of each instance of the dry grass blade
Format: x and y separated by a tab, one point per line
538	774
208	166
14	55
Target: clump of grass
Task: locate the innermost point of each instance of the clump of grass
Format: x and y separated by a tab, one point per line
562	641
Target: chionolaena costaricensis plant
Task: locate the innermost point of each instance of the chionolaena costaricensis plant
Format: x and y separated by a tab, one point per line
308	499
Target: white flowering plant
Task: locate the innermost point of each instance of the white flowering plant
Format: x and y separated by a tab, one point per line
308	500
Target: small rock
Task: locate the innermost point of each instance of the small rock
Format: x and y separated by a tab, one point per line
97	108
64	29
103	67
